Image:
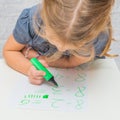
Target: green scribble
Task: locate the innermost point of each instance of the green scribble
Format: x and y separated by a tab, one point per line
80	92
80	77
45	96
25	96
55	103
37	96
79	104
56	91
36	102
58	76
24	101
32	96
29	96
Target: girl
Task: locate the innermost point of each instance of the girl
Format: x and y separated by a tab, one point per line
60	33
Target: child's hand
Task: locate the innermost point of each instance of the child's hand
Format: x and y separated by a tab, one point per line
36	76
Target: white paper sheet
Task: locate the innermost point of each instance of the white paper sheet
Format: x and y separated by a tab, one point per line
72	93
69	96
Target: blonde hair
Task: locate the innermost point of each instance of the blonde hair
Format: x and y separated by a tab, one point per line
77	22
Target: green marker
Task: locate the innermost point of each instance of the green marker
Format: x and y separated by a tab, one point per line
48	76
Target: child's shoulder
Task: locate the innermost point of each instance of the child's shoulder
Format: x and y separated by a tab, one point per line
24	31
30	10
100	42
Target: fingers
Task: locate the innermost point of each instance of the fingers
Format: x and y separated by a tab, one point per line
36	81
35	76
44	63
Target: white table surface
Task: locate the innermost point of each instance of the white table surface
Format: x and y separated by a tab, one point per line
103	98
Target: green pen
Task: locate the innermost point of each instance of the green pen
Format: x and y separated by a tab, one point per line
48	76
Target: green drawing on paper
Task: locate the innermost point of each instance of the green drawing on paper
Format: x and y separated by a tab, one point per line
56	91
79	104
36	102
59	76
36	96
24	101
69	95
32	96
45	96
55	103
80	92
80	77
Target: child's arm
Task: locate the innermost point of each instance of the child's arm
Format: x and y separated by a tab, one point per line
16	60
13	56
